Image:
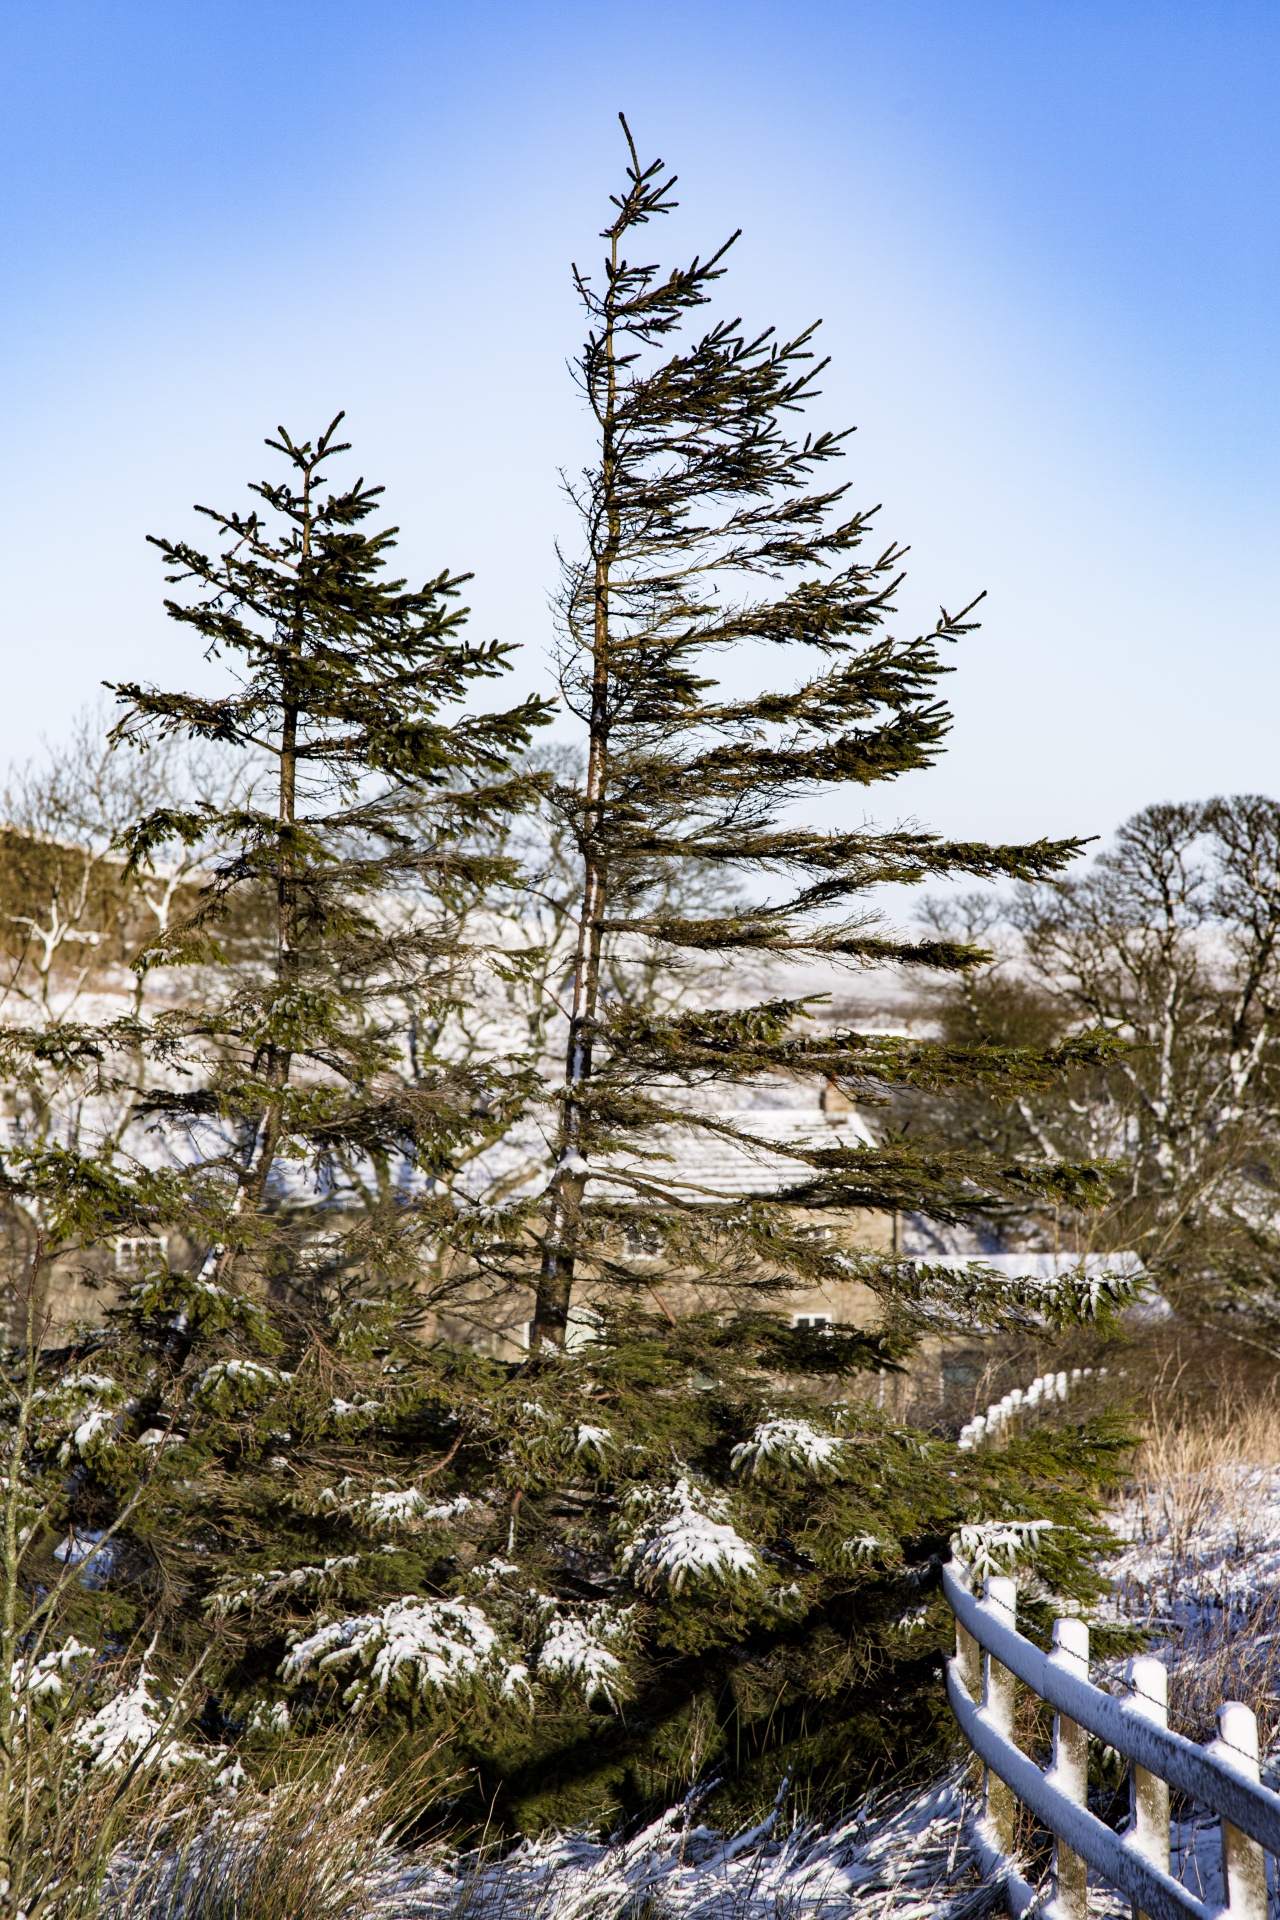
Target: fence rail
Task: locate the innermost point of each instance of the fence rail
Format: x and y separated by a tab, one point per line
992	1656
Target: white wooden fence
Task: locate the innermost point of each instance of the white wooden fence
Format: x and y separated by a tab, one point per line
991	1658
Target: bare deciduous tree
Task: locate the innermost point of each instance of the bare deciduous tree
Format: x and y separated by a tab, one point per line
1171	941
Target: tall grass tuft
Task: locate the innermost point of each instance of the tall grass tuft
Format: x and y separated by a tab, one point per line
302	1850
1205	1502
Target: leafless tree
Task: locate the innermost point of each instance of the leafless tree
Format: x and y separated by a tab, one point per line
1171	940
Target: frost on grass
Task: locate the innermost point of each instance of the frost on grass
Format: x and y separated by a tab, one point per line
900	1859
578	1647
1198	1541
1198	1568
413	1647
683	1538
790	1445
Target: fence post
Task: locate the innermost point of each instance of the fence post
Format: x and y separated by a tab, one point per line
1071	1772
1000	1699
1148	1695
969	1661
1244	1866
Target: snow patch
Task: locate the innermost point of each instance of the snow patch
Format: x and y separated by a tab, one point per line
128	1726
424	1646
789	1444
578	1647
905	1858
685	1538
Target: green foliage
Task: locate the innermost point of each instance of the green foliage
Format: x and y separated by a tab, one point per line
711	529
288	1072
581	1582
692	1546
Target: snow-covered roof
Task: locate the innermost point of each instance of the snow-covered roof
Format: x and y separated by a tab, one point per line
1048	1267
698	1158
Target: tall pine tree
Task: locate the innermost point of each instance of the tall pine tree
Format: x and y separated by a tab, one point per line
701	490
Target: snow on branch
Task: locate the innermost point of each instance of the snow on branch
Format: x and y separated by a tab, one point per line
791	1445
408	1646
994	1546
386	1508
229	1385
578	1647
684	1538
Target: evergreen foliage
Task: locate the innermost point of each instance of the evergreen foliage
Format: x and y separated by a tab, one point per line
582	1585
700	491
346	684
691	1547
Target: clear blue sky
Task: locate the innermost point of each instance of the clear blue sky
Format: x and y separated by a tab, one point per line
1042	237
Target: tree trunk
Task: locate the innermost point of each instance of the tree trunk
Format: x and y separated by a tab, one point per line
568	1182
257	1170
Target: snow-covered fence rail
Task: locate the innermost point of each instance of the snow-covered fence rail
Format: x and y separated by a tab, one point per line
992	1656
1042	1392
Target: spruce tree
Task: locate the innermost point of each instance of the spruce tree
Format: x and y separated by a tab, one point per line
700	490
690	1549
263	1169
351	685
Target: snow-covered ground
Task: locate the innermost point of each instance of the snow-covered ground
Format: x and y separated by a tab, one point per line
903	1858
1197	1565
1203	1543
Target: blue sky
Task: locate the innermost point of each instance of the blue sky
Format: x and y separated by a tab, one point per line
1042	238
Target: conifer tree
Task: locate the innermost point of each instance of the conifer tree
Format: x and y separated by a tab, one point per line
346	680
688	1548
147	1452
699	491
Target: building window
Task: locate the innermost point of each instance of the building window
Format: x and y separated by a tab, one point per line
141	1254
810	1322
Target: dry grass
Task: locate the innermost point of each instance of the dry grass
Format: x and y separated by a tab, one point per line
62	1854
300	1851
1207	1474
1205	1496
